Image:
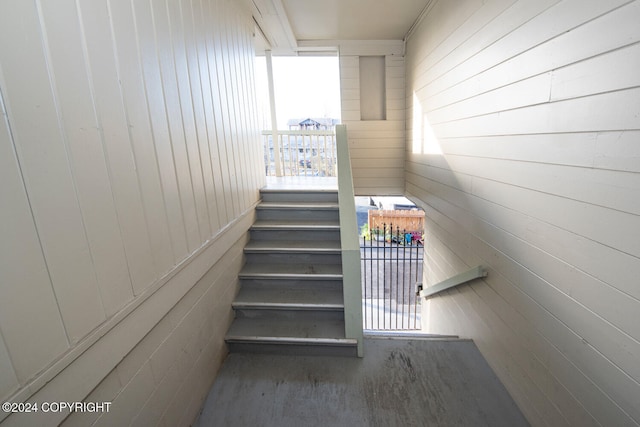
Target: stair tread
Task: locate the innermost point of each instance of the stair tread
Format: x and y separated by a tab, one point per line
299	205
296	225
283	330
305	190
293	246
287	297
272	269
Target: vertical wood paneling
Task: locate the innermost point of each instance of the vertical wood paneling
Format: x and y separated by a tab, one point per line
256	155
235	99
242	103
202	136
515	96
128	140
30	320
212	142
112	122
188	120
83	136
218	94
178	142
148	51
8	379
141	136
227	94
44	158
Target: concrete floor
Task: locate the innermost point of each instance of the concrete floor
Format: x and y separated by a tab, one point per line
399	382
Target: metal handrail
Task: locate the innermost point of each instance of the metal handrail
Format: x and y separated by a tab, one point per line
350	243
457	280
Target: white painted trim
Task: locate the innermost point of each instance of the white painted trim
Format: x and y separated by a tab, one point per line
417	22
356	47
284	22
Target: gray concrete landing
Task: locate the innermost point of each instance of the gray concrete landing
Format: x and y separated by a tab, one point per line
399	382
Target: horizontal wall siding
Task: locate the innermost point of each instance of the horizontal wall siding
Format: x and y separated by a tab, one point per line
129	147
377	147
522	147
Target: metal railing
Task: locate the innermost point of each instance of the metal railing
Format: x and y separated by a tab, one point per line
301	152
391	268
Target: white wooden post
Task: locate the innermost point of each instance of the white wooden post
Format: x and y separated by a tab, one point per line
274	122
350	243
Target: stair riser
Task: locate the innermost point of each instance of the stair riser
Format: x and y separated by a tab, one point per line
293	284
311	197
314	235
290	258
293	349
292	315
298	214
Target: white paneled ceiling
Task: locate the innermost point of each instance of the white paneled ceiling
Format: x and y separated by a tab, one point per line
289	24
352	19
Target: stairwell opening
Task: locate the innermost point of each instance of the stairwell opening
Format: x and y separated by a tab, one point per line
391	252
299	99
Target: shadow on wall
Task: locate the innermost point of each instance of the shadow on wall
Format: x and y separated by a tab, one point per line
425	168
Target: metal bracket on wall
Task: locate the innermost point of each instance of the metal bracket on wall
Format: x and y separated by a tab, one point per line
457	280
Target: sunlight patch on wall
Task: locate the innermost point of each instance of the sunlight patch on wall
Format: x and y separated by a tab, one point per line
424	139
431	143
417	126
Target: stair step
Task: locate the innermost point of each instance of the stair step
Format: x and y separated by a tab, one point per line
326	206
291	271
296	225
291	297
295	229
308	259
306	327
272	195
288	298
297	211
293	282
304	336
293	246
293	315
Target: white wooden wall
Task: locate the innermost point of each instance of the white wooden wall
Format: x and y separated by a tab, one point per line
376	146
535	109
129	152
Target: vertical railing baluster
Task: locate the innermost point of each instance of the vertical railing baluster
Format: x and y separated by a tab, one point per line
324	156
307	162
411	281
404	282
371	272
307	165
387	274
415	316
378	272
293	157
363	275
397	271
286	164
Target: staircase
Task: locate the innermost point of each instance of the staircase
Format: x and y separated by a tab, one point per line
291	299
